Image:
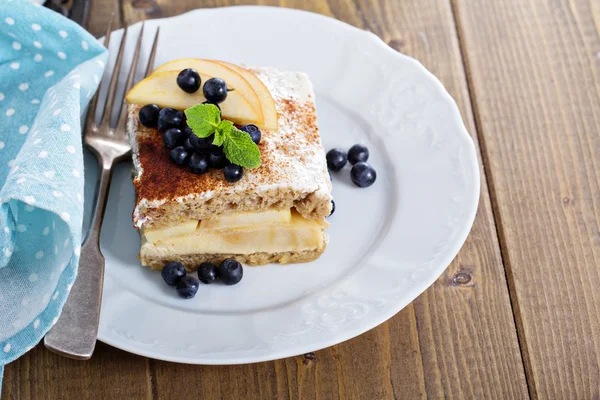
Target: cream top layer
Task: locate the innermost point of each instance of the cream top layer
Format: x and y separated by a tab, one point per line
300	166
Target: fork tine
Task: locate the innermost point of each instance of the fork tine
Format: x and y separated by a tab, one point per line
91	117
112	87
131	77
150	65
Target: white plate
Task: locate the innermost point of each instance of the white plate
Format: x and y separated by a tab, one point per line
388	242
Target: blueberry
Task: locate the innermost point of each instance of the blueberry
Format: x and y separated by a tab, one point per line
149	115
358	153
173	137
214	104
217	159
332	208
207	272
363	175
188	146
198	163
233	173
230	271
201	143
253	131
189	80
178	155
173	272
215	90
336	159
187	287
169	118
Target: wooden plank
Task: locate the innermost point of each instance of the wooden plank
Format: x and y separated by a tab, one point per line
101	12
534	68
110	374
465	344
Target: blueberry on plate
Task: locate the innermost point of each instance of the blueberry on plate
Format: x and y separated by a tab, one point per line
230	271
201	143
173	272
358	153
198	163
332	208
188	146
336	159
173	137
253	131
178	155
363	175
169	118
149	115
189	80
215	90
187	287
207	272
233	173
217	159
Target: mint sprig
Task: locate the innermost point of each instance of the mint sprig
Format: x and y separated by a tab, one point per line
205	120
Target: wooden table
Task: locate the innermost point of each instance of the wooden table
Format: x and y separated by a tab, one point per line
517	314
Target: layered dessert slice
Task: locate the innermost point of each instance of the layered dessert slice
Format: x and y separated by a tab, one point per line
274	212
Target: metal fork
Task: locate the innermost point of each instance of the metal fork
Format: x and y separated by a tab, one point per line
75	333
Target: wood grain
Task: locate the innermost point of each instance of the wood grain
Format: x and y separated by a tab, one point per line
534	68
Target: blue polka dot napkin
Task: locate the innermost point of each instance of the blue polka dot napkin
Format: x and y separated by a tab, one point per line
49	69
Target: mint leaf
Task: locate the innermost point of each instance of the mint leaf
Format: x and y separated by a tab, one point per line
222	132
240	149
204	119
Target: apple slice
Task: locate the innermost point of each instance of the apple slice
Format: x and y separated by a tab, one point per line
266	100
161	88
214	68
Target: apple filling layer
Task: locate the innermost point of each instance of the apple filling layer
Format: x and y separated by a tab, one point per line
242	233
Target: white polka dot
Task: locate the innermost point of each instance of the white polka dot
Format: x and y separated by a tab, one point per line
49	74
25	301
49	174
9	21
36	324
29	208
7	252
29	200
36	27
61	55
65	128
6	229
57	194
55	295
37	44
55	320
1	96
77	251
71	149
16	45
35	101
57	111
7	348
63	34
15	65
85	45
77	85
23	129
39	255
11	163
21	228
43	154
10	112
65	216
76	173
33	277
46	231
23	86
67	242
1	145
37	141
21	180
38	57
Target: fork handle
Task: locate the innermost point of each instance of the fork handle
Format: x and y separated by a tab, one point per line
74	334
